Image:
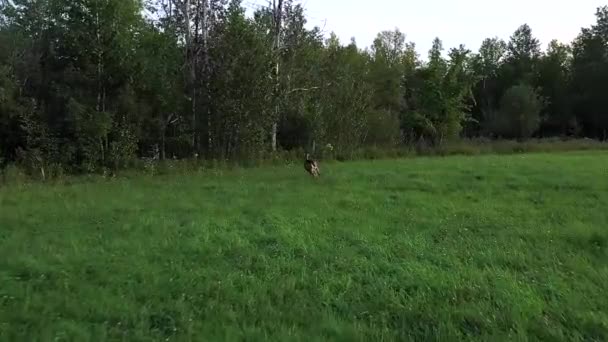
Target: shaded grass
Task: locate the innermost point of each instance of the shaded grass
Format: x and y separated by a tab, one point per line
481	248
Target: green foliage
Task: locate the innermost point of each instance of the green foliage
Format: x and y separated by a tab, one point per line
383	129
95	84
345	99
519	114
240	114
393	250
13	175
553	79
91	129
523	47
10	112
157	93
123	148
387	69
590	74
438	96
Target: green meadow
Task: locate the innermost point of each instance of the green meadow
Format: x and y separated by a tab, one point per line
483	248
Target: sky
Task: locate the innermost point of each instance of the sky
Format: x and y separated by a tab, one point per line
455	22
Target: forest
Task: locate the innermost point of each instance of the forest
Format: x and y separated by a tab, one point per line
94	84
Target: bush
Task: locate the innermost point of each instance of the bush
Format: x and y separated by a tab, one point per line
12	174
519	113
383	129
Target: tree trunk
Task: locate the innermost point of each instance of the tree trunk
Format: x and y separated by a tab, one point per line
101	150
99	63
278	15
194	122
274	134
163	148
191	62
206	70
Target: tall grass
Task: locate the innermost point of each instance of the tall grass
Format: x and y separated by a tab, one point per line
490	248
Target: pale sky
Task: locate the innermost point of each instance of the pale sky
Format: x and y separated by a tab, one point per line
453	21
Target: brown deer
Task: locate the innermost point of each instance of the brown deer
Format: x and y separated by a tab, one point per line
311	166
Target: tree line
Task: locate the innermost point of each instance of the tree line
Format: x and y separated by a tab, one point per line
91	84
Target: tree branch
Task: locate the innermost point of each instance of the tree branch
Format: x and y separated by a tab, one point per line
302	89
307	89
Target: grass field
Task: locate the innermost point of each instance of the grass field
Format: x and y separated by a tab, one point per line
458	248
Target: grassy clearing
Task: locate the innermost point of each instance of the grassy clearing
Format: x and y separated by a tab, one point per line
485	248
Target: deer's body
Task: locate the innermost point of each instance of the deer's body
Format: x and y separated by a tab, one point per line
311	166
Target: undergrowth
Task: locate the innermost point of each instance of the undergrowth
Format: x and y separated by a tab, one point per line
14	173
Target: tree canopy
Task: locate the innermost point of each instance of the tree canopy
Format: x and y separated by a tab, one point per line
92	84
